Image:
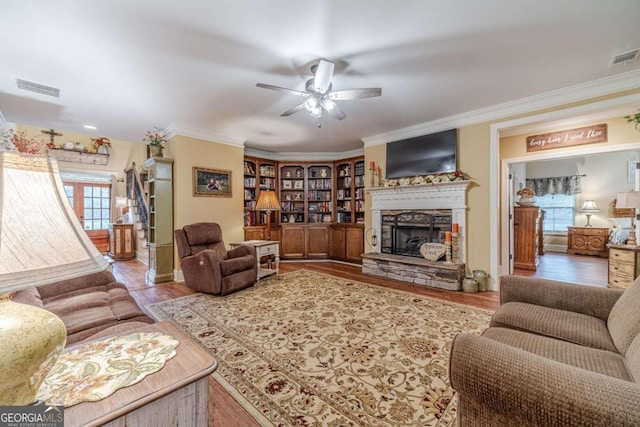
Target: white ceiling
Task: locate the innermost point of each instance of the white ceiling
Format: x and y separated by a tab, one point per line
128	66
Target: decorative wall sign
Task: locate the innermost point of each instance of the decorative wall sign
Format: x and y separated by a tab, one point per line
567	138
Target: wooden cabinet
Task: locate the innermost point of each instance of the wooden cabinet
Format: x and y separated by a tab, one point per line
304	241
347	242
587	241
121	242
525	237
260	233
624	265
160	232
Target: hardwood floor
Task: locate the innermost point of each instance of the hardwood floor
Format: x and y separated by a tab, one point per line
224	411
581	269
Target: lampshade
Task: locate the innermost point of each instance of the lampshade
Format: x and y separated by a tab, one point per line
41	241
121	202
589	206
630	199
268	201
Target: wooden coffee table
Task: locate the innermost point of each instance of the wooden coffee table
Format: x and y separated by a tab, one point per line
178	392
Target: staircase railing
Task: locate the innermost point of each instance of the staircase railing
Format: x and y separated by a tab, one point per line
135	191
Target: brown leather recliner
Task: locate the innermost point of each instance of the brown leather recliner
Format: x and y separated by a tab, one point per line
208	266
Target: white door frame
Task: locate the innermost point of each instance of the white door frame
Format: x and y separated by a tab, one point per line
498	171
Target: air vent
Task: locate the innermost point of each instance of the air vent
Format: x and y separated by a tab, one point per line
625	58
38	88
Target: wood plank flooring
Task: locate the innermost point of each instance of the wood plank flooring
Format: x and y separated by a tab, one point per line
225	411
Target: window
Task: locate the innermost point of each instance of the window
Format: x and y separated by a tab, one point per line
559	210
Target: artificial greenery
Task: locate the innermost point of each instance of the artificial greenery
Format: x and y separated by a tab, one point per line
635	118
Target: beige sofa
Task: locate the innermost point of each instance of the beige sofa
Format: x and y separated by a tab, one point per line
555	354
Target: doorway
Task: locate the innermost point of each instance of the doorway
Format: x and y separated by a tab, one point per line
91	203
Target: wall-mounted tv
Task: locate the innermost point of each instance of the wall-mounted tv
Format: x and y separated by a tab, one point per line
423	155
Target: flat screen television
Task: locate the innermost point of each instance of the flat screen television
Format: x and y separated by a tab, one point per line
423	155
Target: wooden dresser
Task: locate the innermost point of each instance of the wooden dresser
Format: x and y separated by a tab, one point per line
624	265
587	241
121	241
525	237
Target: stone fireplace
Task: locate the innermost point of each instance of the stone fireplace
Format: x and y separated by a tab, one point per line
405	217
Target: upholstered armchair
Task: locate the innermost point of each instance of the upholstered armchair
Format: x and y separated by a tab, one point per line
208	266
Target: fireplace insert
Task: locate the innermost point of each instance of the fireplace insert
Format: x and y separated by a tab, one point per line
404	232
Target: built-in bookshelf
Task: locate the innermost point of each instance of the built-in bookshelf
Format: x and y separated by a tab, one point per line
259	175
292	194
319	193
350	192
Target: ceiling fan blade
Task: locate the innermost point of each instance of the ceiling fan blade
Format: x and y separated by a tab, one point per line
323	76
347	94
282	89
333	109
295	109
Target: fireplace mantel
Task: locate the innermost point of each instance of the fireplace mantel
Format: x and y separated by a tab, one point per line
449	195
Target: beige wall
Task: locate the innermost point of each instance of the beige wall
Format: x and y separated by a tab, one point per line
226	211
121	153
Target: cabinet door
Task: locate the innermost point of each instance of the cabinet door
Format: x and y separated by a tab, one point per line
255	233
338	243
292	243
317	241
354	244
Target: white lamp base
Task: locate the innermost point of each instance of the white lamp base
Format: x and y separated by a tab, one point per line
31	340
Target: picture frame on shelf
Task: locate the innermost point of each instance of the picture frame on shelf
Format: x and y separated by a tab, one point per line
298	185
286	185
211	182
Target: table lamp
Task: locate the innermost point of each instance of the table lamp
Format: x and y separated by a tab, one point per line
268	201
121	203
629	200
41	242
589	206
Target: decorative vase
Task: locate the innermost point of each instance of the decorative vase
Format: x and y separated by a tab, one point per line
469	285
155	151
483	280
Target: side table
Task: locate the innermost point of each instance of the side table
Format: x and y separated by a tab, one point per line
178	392
263	248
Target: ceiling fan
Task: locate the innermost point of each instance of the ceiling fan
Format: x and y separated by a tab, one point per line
319	96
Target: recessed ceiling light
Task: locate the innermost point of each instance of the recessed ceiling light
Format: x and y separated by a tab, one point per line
89	127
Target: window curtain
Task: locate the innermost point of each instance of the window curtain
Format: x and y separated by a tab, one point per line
567	185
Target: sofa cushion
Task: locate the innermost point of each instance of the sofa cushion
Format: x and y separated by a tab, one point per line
29	296
624	319
564	325
592	359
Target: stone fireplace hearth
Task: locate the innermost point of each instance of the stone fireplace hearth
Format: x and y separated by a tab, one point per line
405	217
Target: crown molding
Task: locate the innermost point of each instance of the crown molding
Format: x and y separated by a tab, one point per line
175	129
306	157
583	91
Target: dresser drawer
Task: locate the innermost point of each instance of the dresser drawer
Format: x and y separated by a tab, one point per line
622	269
619	281
588	231
268	250
621	256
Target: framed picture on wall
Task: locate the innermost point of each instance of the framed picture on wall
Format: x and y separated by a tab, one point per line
211	182
632	168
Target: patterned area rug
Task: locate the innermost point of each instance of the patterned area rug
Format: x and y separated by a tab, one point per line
311	349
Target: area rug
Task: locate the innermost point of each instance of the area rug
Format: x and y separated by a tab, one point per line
316	350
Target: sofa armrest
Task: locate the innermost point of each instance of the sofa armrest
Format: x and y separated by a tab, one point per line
240	251
589	300
71	285
508	380
202	271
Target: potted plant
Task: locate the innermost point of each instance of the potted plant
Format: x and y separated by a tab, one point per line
101	144
155	141
635	118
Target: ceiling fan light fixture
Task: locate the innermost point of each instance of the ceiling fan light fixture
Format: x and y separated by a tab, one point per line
316	112
311	103
328	104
